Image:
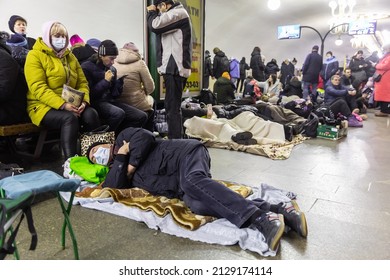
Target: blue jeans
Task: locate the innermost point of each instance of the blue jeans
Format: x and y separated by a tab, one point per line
119	115
309	88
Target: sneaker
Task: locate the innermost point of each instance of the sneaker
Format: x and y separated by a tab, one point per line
271	225
246	135
247	142
381	114
294	218
353	122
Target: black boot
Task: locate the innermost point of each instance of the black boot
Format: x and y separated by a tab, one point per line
271	225
293	217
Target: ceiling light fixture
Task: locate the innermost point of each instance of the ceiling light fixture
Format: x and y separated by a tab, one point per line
338	41
273	4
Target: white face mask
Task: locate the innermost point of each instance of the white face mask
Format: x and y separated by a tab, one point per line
58	43
102	155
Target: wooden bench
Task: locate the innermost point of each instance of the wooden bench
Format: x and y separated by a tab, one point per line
11	132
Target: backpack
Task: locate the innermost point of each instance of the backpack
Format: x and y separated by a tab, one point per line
310	126
225	64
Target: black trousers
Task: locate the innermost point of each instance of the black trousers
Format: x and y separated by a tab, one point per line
174	86
340	106
70	125
205	196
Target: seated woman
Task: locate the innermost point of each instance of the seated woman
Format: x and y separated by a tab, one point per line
224	89
49	66
180	168
138	83
271	89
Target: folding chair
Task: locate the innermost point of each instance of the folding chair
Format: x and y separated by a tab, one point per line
40	182
10	210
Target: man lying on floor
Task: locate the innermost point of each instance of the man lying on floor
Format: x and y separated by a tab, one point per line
180	168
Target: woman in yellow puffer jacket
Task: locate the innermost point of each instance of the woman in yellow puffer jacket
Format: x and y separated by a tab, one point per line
50	65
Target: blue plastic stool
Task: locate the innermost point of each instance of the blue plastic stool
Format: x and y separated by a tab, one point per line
40	182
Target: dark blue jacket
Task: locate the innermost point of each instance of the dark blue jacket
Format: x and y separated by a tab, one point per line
333	92
157	162
329	68
99	88
312	67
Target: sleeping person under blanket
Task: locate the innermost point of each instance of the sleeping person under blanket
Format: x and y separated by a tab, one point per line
180	168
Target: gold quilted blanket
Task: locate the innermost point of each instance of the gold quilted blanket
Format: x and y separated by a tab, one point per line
161	205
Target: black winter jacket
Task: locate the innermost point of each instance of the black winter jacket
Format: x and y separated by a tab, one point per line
13	90
157	162
312	67
218	64
257	66
100	89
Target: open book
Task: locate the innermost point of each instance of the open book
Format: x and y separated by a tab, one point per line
72	95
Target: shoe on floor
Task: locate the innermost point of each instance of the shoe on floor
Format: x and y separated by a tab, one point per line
381	114
242	136
294	218
353	122
247	142
271	225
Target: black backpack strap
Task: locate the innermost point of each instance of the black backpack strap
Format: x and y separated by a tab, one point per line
8	246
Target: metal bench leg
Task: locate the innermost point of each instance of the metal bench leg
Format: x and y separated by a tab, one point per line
66	212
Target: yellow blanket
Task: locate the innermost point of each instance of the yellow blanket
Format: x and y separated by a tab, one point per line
161	205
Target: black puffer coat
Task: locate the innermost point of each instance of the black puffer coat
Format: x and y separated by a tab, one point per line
257	66
13	89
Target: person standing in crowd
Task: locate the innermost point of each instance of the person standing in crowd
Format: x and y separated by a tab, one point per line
257	65
221	63
271	68
13	88
310	73
243	67
80	49
138	83
358	67
171	23
50	65
234	71
207	69
18	25
330	67
106	87
287	71
382	88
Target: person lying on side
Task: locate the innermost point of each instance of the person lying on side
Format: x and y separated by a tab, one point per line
180	168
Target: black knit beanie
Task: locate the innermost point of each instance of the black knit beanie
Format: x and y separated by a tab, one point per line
12	20
107	47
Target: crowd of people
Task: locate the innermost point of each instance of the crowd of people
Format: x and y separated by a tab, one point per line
349	90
